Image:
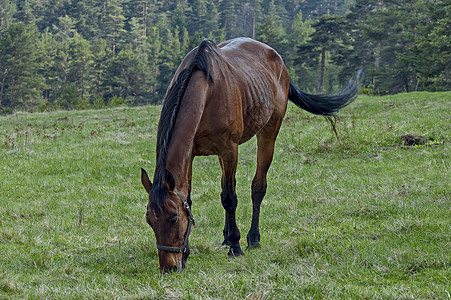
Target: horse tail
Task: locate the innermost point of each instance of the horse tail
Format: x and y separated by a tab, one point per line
326	105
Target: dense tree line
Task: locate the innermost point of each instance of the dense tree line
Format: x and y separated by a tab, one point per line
77	54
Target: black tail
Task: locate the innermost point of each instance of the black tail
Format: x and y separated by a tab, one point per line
323	104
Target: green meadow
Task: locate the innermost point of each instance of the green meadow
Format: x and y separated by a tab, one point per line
367	215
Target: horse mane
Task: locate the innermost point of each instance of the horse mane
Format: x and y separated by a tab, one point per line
169	112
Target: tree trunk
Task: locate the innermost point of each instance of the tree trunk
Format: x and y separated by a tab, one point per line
253	27
377	54
82	79
321	71
2	88
144	19
377	61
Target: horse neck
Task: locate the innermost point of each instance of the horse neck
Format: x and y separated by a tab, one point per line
179	157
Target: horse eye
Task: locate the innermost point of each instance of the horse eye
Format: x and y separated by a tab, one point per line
173	219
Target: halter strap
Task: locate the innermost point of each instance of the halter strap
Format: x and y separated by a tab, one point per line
183	248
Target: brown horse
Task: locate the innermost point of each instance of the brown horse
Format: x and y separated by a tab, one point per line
220	97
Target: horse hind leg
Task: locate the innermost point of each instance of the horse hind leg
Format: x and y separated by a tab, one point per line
229	200
265	141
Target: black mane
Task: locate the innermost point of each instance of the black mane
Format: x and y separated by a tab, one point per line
169	114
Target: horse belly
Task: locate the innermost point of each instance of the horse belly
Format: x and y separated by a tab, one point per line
257	111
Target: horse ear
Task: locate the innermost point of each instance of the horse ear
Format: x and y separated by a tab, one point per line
169	179
145	180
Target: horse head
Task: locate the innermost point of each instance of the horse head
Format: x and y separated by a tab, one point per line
171	221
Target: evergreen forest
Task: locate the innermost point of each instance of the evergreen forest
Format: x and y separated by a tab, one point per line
66	54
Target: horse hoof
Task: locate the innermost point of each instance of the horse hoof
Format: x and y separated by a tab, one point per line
253	246
235	251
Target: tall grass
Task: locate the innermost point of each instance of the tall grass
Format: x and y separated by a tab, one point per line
360	217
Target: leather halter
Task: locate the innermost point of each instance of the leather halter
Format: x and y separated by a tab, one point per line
184	247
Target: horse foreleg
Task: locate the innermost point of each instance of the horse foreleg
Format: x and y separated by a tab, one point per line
229	201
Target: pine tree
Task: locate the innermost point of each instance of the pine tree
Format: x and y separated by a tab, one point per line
227	17
129	76
247	17
137	32
102	56
329	36
7	11
299	34
198	17
20	82
80	67
273	34
212	22
25	12
171	56
64	32
154	54
178	16
48	47
112	23
430	55
86	14
390	37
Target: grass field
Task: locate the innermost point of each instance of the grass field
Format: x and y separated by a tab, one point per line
360	217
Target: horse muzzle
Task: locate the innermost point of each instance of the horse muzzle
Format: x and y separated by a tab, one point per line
171	267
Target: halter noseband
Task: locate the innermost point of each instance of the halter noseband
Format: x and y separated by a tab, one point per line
184	246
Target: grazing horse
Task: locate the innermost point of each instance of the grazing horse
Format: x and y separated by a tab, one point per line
220	97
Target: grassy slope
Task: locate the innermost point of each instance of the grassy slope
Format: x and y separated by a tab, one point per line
364	217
